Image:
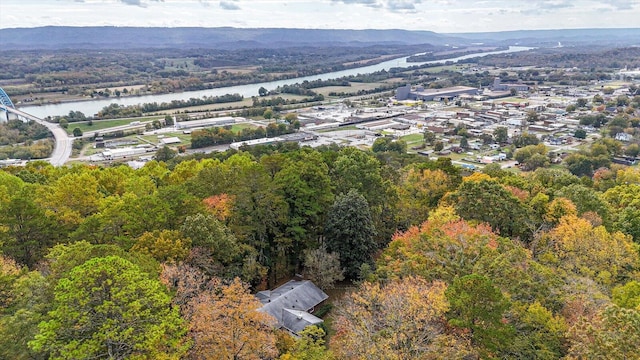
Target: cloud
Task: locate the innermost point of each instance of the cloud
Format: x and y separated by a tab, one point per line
547	6
229	5
132	2
402	5
140	3
622	4
369	3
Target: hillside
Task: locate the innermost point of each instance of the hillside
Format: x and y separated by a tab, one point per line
62	37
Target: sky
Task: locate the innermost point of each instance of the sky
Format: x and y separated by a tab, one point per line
443	16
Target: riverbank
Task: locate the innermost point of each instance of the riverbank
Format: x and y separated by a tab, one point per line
90	108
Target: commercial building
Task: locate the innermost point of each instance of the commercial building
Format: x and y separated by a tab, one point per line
420	93
220	121
499	86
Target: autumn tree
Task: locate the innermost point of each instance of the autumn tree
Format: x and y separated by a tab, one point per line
349	232
404	319
226	324
322	267
163	245
419	192
577	248
612	334
107	307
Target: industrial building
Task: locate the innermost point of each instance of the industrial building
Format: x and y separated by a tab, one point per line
220	121
499	86
420	93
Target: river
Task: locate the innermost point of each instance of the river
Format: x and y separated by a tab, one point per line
90	107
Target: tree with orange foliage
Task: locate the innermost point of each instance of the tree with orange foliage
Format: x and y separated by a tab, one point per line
219	206
227	325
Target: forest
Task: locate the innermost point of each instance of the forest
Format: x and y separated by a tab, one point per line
28	75
429	261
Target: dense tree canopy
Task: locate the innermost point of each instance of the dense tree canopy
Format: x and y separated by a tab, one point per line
493	264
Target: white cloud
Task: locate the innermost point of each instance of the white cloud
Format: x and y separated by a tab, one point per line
229	5
446	16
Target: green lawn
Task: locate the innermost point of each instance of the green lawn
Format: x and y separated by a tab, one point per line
413	138
105	124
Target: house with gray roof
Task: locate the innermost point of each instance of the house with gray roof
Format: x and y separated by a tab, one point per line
292	304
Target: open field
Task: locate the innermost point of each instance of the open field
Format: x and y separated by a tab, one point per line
412	138
437	69
353	89
105	124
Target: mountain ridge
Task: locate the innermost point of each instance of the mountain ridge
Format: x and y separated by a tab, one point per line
109	37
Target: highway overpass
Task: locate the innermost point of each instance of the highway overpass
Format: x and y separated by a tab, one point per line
64	143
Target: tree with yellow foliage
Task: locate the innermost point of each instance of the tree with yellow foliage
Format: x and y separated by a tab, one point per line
402	320
227	325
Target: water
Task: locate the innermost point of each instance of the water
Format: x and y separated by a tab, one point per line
91	107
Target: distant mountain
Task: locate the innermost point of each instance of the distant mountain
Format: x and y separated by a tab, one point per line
56	37
61	37
622	37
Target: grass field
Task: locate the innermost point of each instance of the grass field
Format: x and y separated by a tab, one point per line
413	138
105	124
353	89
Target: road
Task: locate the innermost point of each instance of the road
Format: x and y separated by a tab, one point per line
64	143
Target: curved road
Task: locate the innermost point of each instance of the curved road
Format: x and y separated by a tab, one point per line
63	143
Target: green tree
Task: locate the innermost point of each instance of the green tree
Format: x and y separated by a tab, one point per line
438	146
478	306
306	186
168	120
262	91
310	346
490	202
580	134
349	231
108	308
165	154
501	134
429	137
632	150
77	132
28	231
627	295
267	114
532	116
581	102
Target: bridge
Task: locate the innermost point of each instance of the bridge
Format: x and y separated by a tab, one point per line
63	143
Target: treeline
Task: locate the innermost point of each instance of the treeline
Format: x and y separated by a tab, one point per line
590	58
24	140
117	111
166	70
277	103
431	56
